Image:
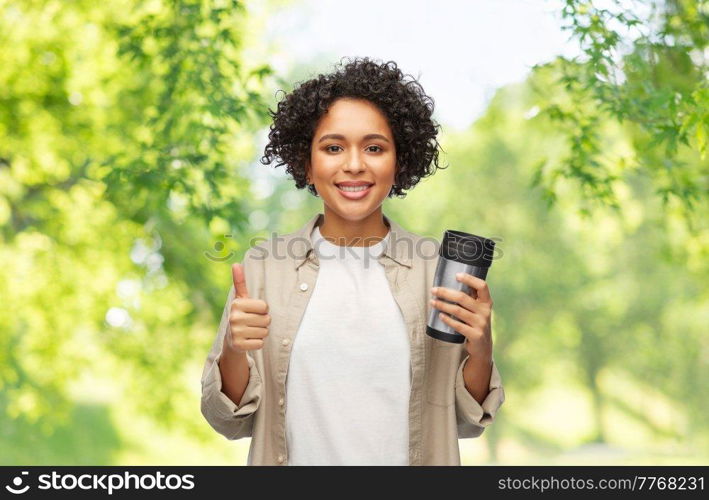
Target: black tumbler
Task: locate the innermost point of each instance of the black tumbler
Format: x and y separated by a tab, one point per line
459	253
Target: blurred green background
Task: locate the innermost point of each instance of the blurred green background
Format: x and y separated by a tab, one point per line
130	133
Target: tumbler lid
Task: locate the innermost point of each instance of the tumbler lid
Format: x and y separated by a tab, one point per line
467	248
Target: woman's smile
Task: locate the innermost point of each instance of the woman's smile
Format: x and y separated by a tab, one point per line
354	190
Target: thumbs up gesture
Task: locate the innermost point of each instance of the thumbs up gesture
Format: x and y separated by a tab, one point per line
248	318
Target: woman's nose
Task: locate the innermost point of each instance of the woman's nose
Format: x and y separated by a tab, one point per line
354	163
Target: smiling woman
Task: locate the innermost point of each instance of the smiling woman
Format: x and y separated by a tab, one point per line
366	124
321	357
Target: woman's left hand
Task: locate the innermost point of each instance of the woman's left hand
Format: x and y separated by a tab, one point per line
474	312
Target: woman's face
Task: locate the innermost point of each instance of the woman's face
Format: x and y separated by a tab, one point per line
352	144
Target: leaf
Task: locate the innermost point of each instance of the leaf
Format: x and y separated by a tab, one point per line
701	139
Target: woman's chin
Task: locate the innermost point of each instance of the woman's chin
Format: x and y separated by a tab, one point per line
352	211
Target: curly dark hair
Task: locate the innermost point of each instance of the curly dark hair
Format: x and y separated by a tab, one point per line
407	108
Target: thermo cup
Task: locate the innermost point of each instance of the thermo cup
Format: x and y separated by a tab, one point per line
459	253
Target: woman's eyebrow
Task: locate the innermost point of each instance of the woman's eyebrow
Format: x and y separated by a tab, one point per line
342	137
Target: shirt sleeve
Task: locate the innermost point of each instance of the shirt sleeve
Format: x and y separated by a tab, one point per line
226	417
471	416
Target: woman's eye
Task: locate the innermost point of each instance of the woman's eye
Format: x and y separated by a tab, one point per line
331	146
378	148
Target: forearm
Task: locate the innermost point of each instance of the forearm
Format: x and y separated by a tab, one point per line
477	373
234	369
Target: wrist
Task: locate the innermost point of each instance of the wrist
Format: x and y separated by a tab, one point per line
231	353
476	356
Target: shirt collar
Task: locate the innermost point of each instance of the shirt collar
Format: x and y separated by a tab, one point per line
399	247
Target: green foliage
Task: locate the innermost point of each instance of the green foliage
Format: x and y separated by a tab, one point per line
188	94
123	127
642	64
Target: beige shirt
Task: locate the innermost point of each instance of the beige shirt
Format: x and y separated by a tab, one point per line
283	271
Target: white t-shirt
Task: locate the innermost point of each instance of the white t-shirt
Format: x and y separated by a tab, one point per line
349	377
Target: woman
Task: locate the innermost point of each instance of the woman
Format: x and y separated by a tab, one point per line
321	356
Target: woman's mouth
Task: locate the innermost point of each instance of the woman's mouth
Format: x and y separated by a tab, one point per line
354	192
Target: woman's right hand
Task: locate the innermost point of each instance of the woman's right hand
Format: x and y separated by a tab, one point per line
248	318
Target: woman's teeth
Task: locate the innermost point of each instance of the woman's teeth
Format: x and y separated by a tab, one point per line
353	188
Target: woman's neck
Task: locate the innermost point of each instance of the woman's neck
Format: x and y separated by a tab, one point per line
343	232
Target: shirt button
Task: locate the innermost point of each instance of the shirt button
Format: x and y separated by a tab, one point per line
281	402
281	459
285	342
303	286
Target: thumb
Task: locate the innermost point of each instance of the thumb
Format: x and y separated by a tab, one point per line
237	273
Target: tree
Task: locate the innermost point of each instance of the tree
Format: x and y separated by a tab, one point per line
123	127
642	64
